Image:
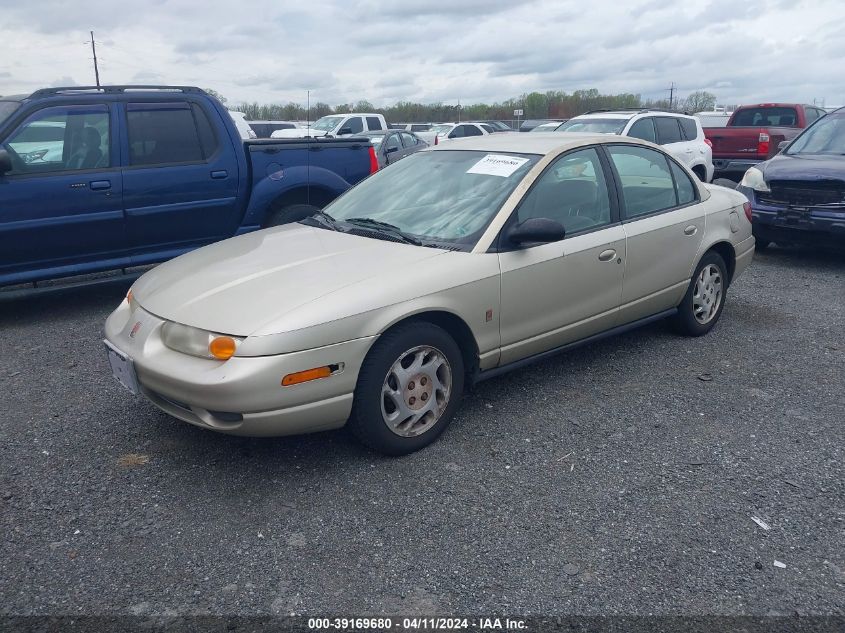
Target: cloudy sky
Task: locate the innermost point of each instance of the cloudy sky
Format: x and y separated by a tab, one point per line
433	50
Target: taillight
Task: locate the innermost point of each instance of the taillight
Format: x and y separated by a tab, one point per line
763	144
746	206
373	160
709	143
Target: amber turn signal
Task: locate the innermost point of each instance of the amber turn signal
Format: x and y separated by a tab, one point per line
305	376
222	347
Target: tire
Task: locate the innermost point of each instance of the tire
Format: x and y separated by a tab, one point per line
376	420
762	245
289	214
711	276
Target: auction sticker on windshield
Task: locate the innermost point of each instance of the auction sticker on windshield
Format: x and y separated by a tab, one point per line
497	165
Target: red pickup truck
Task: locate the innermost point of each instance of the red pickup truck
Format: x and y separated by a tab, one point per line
753	134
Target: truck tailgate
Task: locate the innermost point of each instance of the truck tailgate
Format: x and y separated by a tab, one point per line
738	142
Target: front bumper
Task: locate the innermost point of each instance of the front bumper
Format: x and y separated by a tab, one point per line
810	225
243	395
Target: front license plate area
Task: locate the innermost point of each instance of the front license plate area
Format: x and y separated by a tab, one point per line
123	368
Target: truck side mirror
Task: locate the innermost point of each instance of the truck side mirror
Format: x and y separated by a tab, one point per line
344	130
5	162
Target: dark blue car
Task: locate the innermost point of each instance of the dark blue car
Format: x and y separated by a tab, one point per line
799	195
117	176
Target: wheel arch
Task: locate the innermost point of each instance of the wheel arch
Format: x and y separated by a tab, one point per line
726	251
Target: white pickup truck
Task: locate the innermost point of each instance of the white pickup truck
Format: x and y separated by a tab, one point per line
337	125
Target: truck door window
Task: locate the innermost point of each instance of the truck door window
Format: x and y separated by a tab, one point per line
162	133
374	123
66	138
354	125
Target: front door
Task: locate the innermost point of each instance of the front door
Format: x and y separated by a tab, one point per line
557	293
180	179
62	202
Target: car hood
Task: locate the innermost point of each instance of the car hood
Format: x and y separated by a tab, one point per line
806	167
239	285
299	132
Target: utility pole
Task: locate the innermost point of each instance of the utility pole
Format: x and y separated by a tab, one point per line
671	93
94	50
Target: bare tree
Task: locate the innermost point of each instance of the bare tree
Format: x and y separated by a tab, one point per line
700	101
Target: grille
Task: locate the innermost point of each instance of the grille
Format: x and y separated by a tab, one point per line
829	194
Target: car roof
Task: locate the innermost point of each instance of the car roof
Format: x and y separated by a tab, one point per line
627	114
379	132
540	143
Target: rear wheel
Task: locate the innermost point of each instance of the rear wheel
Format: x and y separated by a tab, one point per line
289	214
408	389
703	302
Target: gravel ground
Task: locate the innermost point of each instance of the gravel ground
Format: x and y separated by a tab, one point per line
621	478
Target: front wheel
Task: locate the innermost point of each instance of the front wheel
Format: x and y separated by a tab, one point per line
703	302
289	214
408	390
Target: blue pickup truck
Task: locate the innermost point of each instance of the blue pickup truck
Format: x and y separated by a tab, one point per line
93	179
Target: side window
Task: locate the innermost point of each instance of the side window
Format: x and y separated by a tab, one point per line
689	128
644	129
458	132
206	133
392	141
374	123
572	191
409	140
61	139
647	184
667	130
162	133
472	130
686	188
355	125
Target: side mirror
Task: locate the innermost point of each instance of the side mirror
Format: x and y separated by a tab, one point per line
783	145
392	149
5	161
536	230
344	130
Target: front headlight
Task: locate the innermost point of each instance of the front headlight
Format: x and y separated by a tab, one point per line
196	342
754	179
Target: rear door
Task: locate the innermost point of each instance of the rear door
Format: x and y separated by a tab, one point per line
374	124
180	178
669	135
664	224
62	201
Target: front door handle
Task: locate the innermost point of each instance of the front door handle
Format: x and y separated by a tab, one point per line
606	256
220	173
691	230
99	185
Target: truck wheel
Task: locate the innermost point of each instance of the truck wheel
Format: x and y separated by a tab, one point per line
702	304
292	213
408	389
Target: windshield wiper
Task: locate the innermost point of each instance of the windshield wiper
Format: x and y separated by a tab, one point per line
386	228
321	218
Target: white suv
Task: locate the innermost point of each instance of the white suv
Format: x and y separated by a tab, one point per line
680	134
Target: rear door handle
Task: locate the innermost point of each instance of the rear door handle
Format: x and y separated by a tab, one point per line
99	185
691	230
220	173
606	256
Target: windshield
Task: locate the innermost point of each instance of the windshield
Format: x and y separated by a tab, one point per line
327	123
440	129
546	127
598	126
6	109
444	196
827	136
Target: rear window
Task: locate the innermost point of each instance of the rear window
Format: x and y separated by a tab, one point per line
765	116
